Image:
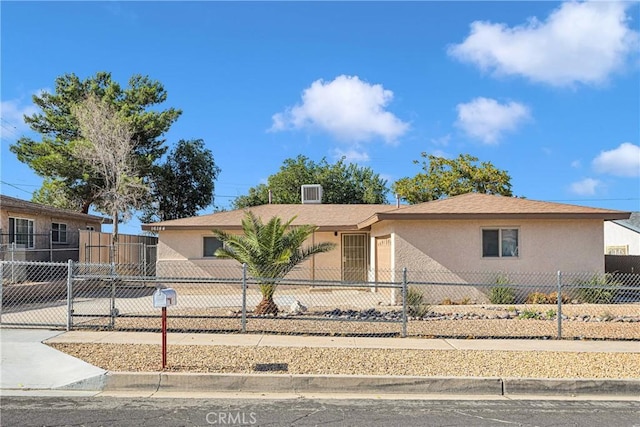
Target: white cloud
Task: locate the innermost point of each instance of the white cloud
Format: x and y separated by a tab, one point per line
580	42
487	120
347	108
577	164
621	161
352	155
586	187
12	113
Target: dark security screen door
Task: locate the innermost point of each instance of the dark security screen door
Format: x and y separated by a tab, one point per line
354	257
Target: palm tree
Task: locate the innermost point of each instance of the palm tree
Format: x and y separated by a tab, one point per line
270	251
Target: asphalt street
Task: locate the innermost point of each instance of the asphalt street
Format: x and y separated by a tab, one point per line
120	411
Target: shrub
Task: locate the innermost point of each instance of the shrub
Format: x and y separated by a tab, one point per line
502	295
553	298
537	298
415	303
529	314
550	314
599	289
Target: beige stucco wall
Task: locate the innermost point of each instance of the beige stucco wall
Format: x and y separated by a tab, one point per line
544	246
180	253
44	249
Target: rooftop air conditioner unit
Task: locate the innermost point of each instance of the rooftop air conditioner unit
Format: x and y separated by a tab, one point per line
311	193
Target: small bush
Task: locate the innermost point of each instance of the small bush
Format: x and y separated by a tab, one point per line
529	314
415	303
550	314
502	295
553	298
537	298
599	289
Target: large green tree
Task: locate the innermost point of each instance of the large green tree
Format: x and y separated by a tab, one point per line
52	156
183	184
270	251
444	177
341	184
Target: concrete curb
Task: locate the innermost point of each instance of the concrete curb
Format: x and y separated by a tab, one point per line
149	382
572	387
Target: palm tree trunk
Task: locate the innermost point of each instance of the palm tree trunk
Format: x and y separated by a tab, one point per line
266	306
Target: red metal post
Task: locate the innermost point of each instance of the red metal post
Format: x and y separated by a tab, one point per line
164	338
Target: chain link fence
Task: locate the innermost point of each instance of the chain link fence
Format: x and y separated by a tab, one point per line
229	298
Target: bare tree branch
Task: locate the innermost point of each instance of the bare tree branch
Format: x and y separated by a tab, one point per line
107	146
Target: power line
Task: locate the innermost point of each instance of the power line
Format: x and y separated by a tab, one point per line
18	188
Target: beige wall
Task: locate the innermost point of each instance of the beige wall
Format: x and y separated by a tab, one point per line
44	249
42	224
180	253
549	245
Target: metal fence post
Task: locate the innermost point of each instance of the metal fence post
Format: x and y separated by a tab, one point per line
13	267
112	319
404	302
69	295
244	298
559	305
1	286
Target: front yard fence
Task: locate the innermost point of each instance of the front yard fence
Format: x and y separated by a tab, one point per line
572	305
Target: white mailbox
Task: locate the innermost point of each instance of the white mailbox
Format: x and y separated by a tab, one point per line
164	298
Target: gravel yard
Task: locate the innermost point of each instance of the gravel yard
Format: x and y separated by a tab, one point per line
349	361
471	321
580	321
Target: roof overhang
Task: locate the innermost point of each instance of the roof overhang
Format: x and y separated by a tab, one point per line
159	228
397	216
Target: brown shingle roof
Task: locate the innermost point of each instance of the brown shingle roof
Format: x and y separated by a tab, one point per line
353	217
326	217
484	206
19	205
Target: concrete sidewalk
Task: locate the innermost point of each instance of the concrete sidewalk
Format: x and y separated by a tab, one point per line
29	364
261	340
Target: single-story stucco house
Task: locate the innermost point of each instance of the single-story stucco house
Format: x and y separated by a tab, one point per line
467	233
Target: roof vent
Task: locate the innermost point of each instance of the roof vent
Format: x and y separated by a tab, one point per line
311	193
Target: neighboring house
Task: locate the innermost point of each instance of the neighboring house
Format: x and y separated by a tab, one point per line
467	233
34	232
622	237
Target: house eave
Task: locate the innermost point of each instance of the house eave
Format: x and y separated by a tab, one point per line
490	216
158	228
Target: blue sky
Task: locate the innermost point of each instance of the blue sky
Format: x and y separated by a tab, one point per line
548	91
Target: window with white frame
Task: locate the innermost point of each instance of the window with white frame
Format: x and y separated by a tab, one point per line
21	232
499	242
58	232
210	245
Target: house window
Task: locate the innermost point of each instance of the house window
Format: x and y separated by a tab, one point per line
58	232
21	232
210	245
500	242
